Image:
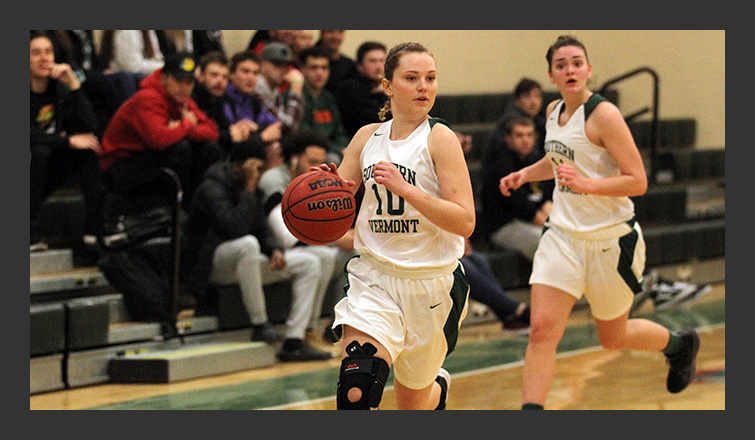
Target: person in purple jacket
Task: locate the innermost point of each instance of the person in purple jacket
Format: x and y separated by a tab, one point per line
244	105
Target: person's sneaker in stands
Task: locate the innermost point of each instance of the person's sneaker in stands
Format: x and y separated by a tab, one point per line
519	321
297	350
648	281
667	295
266	333
38	246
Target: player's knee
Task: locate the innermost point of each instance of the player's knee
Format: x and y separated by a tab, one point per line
362	379
543	330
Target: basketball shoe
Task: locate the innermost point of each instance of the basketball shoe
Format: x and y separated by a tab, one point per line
682	364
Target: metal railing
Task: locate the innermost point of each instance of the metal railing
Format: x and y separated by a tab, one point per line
651	109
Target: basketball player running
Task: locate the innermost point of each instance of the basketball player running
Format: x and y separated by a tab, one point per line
591	244
406	294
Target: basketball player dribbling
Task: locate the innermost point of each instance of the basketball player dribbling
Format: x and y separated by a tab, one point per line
592	245
406	294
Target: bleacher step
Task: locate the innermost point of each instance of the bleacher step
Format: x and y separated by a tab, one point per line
73	280
51	261
46	374
190	362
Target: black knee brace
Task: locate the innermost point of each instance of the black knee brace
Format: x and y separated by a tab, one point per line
362	370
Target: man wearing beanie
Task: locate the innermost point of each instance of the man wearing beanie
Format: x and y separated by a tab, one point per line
227	241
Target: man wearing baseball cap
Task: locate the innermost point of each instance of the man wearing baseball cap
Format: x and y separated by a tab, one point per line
277	73
160	126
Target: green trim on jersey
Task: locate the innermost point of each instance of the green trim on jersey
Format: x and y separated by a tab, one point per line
434	121
593	102
627	244
459	293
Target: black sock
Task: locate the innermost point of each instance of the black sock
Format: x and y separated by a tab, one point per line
292	344
532	406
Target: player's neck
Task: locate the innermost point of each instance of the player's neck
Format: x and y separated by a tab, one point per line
573	101
403	127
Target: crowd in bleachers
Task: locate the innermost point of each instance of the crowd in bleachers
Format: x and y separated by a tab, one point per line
116	115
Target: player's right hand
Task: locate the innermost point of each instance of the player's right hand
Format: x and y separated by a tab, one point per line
332	168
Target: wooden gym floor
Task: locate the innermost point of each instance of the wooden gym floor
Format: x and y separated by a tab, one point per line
485	370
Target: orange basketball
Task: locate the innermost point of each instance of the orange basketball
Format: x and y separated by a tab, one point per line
318	207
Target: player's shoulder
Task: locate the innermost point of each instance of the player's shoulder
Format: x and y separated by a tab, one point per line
552	106
368	130
598	107
365	133
440	129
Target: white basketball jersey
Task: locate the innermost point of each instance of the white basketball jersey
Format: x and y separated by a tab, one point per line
391	230
569	144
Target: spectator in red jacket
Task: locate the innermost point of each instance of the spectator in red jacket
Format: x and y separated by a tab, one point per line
160	126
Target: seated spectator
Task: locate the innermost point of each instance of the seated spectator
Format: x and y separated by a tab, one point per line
132	54
360	97
76	48
262	37
63	143
226	241
320	108
206	41
160	126
276	72
304	39
341	66
485	288
174	41
528	102
244	104
514	222
210	95
301	151
258	41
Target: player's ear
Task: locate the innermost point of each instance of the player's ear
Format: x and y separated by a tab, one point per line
387	87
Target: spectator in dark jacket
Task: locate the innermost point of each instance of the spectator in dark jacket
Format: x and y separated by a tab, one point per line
210	95
62	138
206	41
360	96
227	241
527	102
514	222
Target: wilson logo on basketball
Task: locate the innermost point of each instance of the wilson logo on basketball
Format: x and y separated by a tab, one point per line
340	204
326	183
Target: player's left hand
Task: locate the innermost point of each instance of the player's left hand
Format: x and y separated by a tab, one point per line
388	175
568	176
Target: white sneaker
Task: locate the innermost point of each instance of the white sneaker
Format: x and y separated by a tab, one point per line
38	246
668	295
444	380
647	283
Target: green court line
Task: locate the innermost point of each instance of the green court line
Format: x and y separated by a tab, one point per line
320	384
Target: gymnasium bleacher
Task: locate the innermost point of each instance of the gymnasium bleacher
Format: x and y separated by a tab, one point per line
81	335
